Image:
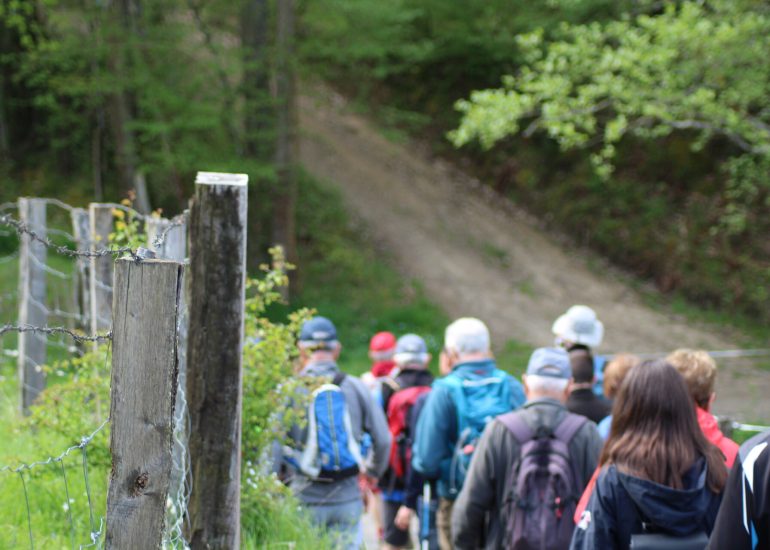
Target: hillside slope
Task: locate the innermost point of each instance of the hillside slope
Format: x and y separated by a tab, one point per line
476	254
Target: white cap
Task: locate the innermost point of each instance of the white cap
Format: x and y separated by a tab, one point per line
467	335
579	326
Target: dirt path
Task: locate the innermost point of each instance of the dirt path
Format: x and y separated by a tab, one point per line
478	256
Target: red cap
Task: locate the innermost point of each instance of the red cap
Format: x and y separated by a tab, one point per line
382	341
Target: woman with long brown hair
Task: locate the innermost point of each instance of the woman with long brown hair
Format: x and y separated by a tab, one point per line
659	473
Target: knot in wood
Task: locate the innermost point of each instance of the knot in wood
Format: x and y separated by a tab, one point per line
140	484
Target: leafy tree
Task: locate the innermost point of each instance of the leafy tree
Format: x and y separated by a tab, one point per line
695	67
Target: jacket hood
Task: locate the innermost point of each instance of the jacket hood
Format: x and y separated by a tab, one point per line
474	370
320	368
675	511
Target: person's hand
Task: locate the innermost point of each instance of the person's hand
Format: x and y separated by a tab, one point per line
403	518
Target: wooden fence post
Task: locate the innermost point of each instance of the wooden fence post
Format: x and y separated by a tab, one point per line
174	246
143	389
101	268
32	302
81	230
216	283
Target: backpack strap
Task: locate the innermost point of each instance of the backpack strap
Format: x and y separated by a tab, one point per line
391	383
568	427
517	426
338	378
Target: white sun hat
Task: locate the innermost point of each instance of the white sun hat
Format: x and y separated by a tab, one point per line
579	326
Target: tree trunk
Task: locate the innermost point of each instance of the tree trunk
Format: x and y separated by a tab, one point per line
284	230
258	117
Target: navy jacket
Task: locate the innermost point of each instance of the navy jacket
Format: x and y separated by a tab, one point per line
619	501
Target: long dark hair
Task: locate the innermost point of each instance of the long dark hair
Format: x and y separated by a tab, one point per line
655	433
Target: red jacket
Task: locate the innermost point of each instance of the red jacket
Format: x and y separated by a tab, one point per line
710	428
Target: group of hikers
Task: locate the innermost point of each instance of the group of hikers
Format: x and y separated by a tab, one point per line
586	452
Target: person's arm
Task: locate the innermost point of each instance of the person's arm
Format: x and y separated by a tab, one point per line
479	493
597	527
729	531
591	451
436	434
376	425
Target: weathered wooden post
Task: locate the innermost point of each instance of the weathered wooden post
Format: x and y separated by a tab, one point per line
143	388
216	283
81	230
174	245
101	268
32	300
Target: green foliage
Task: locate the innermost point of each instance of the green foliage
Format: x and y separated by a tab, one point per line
692	67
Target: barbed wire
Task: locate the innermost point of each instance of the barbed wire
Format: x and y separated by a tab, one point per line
55	330
176	221
22	229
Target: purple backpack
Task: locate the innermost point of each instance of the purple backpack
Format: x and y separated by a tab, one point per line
543	491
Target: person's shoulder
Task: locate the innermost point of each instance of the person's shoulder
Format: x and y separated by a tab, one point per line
756	449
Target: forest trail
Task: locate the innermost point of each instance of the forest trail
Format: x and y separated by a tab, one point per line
476	254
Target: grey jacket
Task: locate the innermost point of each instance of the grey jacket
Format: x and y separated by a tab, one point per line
366	417
478	517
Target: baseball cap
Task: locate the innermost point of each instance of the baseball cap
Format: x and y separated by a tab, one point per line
551	362
579	326
467	335
382	341
318	332
411	349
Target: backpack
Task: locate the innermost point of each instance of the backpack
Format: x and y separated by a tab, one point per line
543	491
331	451
476	402
399	406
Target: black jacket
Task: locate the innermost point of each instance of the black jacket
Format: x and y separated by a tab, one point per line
619	503
584	401
739	521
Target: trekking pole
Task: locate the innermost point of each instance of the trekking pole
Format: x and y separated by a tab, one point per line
425	525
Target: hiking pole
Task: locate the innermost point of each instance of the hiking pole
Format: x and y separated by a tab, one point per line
425	525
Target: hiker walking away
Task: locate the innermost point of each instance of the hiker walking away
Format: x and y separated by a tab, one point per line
661	480
529	468
699	371
382	347
743	522
399	397
582	399
456	411
579	328
325	453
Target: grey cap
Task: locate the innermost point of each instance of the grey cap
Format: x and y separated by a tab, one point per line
411	349
550	362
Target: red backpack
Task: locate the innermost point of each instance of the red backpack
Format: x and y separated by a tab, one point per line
398	414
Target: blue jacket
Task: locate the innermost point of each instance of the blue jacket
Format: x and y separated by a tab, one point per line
437	427
618	502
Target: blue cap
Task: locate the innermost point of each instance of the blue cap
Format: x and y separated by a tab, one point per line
318	331
552	362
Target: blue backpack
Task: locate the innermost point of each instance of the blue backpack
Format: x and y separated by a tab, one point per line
331	451
477	402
